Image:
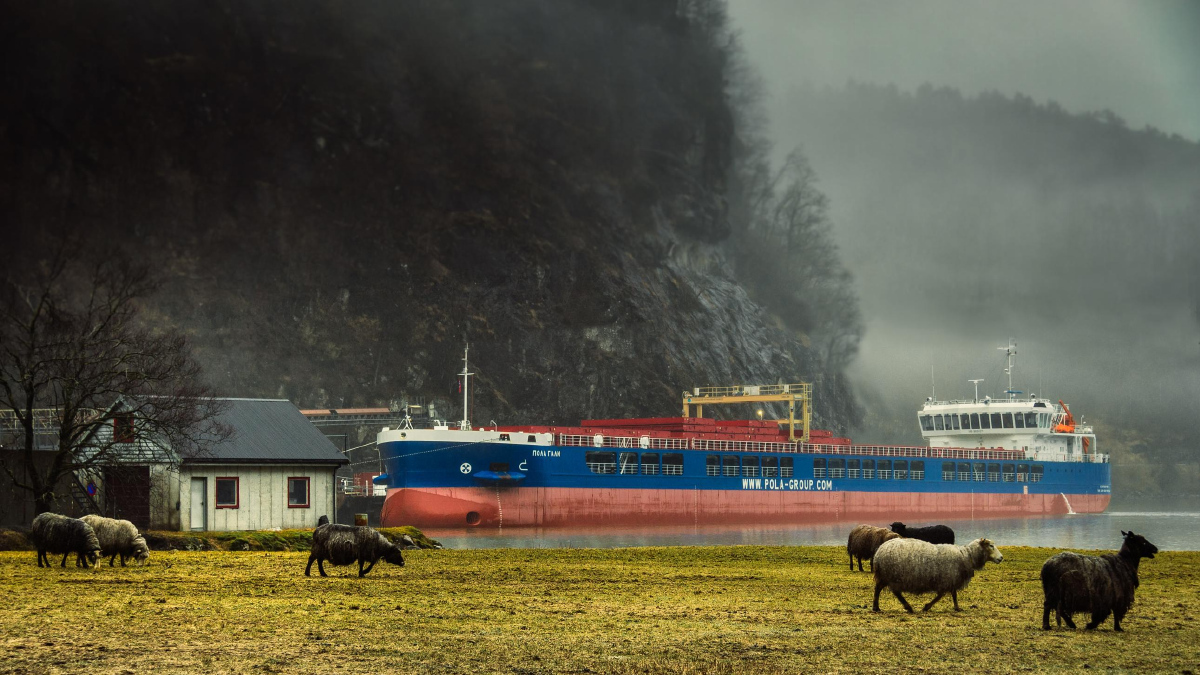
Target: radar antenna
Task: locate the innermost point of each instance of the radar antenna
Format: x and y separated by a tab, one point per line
976	383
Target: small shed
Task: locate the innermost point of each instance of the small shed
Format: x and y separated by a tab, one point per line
277	471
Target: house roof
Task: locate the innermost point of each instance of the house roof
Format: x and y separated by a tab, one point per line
269	431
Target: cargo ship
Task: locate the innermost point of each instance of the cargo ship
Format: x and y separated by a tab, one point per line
1013	456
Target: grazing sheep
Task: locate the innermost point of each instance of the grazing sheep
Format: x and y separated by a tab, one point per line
118	538
54	533
864	540
934	534
343	544
915	566
1097	584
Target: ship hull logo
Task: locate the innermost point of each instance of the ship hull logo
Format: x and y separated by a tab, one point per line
465	468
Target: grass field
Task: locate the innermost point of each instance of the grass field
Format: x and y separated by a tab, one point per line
676	610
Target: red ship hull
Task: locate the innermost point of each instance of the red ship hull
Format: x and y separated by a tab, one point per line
557	507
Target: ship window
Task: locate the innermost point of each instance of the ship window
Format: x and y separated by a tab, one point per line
926	423
964	471
504	437
954	420
650	464
868	468
901	469
1019	418
937	423
1022	472
853	468
750	466
712	465
1030	420
1010	473
947	470
498	467
672	464
1008	421
984	421
785	467
996	423
966	421
917	471
770	467
837	468
601	462
978	474
994	473
1036	475
884	472
730	462
818	468
629	463
532	439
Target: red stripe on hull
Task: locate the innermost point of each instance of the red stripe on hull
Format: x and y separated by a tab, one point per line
559	507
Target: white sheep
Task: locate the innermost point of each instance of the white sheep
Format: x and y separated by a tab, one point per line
915	566
118	538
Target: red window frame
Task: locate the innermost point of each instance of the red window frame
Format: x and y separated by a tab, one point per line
237	492
307	492
123	431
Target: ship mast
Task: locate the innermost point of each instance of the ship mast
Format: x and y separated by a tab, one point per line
1010	351
465	424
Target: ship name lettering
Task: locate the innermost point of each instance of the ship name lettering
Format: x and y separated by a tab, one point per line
547	453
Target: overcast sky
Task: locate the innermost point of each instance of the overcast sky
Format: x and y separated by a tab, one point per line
1139	59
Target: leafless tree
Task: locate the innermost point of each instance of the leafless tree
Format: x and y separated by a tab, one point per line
84	373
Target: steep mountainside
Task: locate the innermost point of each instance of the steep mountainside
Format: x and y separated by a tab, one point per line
341	195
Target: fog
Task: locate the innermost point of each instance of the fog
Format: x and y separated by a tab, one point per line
978	193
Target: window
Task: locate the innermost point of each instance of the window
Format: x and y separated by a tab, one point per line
785	467
298	493
1008	421
1030	420
600	462
984	421
954	420
1019	418
917	471
770	467
730	462
227	493
974	420
964	471
993	473
979	474
123	428
1009	472
504	437
629	463
926	423
750	466
947	470
818	468
966	420
672	464
937	423
650	464
837	468
996	423
885	469
532	439
712	465
901	469
1036	475
868	468
854	468
1022	472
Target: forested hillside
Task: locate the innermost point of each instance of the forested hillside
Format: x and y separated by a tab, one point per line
341	195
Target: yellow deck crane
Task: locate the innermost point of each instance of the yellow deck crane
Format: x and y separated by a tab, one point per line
792	394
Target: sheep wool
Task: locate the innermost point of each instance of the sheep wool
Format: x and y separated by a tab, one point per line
934	534
915	566
864	540
58	534
118	538
1099	585
345	544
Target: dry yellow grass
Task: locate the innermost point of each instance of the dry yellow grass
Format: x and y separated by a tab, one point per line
676	610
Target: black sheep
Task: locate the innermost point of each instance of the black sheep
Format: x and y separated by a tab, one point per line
54	533
934	534
1101	585
344	544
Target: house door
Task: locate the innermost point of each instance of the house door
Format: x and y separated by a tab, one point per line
199	504
127	494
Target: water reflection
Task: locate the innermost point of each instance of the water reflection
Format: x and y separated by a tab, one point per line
1169	531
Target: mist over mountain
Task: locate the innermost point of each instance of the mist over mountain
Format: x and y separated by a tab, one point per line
967	220
340	196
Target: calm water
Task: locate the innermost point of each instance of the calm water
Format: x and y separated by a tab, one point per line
1168	531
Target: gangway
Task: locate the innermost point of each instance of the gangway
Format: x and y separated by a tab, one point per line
792	394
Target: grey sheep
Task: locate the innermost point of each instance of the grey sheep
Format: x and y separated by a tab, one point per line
934	534
1100	585
344	544
54	533
863	541
915	566
118	538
